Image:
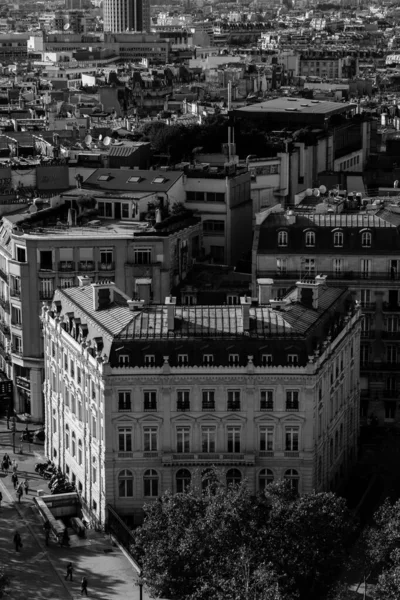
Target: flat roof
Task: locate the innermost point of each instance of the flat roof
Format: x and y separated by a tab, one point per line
302	106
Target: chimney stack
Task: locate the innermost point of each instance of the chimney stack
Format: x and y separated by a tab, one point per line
84	280
245	302
264	290
170	302
103	294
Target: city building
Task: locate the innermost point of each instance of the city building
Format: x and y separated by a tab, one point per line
356	248
47	249
141	399
126	15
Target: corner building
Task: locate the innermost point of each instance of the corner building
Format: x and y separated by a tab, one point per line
140	399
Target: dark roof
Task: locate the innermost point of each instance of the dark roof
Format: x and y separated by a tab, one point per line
296	105
148	181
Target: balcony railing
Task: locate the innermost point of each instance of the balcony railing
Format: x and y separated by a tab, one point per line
338	275
106	266
150	454
3	275
380	366
125	454
391	307
46	267
86	265
46	294
66	265
292	453
4	353
390	335
391	394
266	453
15	292
4	303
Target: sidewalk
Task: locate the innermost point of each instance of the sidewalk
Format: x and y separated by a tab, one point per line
38	571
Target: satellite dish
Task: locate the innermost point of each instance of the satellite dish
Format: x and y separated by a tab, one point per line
316	192
66	26
88	140
322	189
396	183
308	192
107	141
100	137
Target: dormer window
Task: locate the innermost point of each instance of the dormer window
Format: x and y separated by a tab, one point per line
293	359
104	178
338	239
282	239
149	360
159	180
366	239
208	359
134	179
310	239
233	360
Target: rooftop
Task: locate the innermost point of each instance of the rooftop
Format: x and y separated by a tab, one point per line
297	105
133	180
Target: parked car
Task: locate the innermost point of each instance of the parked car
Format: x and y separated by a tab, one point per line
39	435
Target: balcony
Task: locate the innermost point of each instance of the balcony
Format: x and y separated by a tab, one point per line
390	335
102	266
291	453
66	266
46	267
15	292
266	454
391	307
150	454
380	366
125	454
4	328
183	456
86	265
3	275
46	294
337	275
4	353
4	303
392	394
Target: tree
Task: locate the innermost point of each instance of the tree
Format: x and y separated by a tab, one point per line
223	543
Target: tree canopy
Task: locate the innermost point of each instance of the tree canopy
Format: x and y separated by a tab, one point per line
225	544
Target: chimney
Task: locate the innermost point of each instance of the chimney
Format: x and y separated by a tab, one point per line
84	280
135	305
290	217
309	291
103	294
170	302
245	302
264	290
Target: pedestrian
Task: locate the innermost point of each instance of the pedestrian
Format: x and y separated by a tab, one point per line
14	465
47	529
17	541
26	487
84	586
69	572
7	461
14	479
4	465
19	492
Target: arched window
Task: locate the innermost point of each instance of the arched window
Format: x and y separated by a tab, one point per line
292	476
94	470
73	444
338	239
80	460
183	478
366	239
282	238
265	477
310	238
125	484
67	436
151	479
233	477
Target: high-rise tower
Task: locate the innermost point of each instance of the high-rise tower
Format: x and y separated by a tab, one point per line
126	15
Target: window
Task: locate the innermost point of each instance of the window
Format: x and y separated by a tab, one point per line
293	359
292	400
46	288
266	438
292	476
282	238
364	354
214	227
391	354
365	298
94	470
266	360
309	266
265	477
124	401
21	254
338	267
142	256
266	400
208	438
392	324
150	439
79	413
72	368
67	282
94	426
233	477
124	439
150	400
135	179
149	360
233	438
65	362
80	457
292	439
338	239
73	444
106	256
16	318
233	360
233	399
123	360
125	484
78	376
46	260
208	359
183	479
366	239
232	300
125	211
310	239
183	439
194	196
67	436
150	480
183	360
365	266
281	265
215	197
208	400
17	344
183	400
365	324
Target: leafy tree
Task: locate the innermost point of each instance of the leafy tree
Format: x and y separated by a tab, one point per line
223	543
383	537
388	585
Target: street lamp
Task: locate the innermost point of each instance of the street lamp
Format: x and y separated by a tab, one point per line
140	583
